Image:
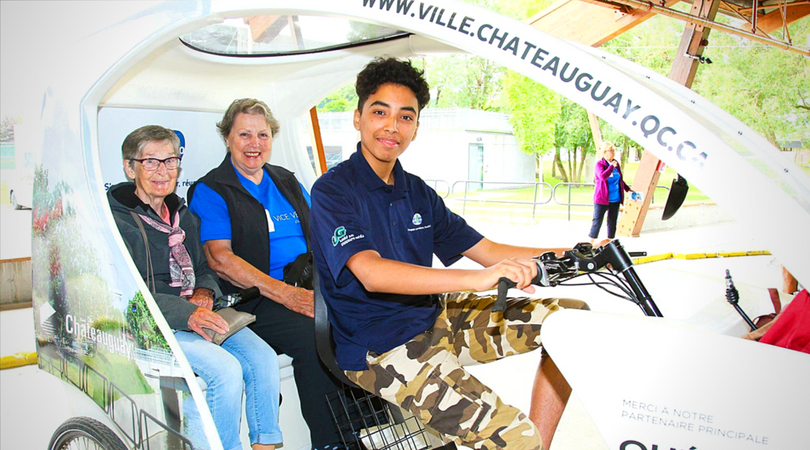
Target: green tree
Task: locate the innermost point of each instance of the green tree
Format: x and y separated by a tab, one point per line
534	111
343	99
361	31
466	81
652	44
573	133
463	81
624	144
766	88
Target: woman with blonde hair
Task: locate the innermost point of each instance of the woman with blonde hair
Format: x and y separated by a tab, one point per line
608	192
255	231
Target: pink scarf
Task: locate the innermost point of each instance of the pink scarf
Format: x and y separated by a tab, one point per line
180	267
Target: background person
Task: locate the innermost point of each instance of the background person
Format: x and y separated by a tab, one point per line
608	193
791	327
184	289
254	222
375	230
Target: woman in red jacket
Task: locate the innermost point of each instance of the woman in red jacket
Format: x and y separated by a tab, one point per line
608	193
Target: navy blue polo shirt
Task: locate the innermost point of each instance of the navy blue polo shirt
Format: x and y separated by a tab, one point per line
354	210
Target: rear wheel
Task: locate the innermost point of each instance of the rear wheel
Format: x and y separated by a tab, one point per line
84	433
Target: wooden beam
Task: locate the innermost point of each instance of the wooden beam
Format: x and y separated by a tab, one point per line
693	40
634	212
591	22
260	26
773	20
773	4
16	305
688	17
593	121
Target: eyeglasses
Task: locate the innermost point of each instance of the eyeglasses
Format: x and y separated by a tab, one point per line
152	164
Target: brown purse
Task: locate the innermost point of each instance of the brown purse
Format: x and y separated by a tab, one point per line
236	321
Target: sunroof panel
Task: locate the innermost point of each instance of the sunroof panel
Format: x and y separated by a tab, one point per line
283	35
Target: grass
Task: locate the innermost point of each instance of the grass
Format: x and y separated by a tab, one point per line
482	204
121	371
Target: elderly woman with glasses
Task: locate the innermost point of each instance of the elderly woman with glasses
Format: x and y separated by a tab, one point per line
162	236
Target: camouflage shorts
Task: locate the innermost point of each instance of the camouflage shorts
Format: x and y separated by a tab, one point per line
426	375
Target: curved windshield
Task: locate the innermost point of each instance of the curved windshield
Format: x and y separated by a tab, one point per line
284	35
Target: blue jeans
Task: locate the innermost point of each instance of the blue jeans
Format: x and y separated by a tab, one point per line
599	214
243	356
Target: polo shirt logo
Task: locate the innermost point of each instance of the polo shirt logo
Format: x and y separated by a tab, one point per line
417	219
342	238
339	233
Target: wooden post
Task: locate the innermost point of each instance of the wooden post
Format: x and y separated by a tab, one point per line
633	212
684	68
316	132
597	133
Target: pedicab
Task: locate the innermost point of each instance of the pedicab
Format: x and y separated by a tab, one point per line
647	383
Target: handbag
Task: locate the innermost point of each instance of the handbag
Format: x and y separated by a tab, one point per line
236	319
299	272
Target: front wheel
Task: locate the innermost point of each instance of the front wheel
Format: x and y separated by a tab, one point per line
85	433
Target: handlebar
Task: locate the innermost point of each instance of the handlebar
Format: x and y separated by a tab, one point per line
583	258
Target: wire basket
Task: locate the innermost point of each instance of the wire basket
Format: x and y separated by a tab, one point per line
366	422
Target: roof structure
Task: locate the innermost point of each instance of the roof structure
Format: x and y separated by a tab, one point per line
609	18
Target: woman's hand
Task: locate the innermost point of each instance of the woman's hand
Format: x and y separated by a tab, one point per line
204	318
204	298
240	273
299	300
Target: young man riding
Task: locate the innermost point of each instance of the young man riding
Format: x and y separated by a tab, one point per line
402	329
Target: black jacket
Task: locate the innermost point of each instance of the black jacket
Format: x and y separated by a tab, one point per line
175	309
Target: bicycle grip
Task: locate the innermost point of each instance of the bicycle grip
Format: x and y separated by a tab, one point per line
504	284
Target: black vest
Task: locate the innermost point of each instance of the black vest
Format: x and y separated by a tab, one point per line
250	238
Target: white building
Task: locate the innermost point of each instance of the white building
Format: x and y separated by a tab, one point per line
475	146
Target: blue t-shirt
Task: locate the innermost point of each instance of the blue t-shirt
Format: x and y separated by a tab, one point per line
354	210
613	186
286	237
